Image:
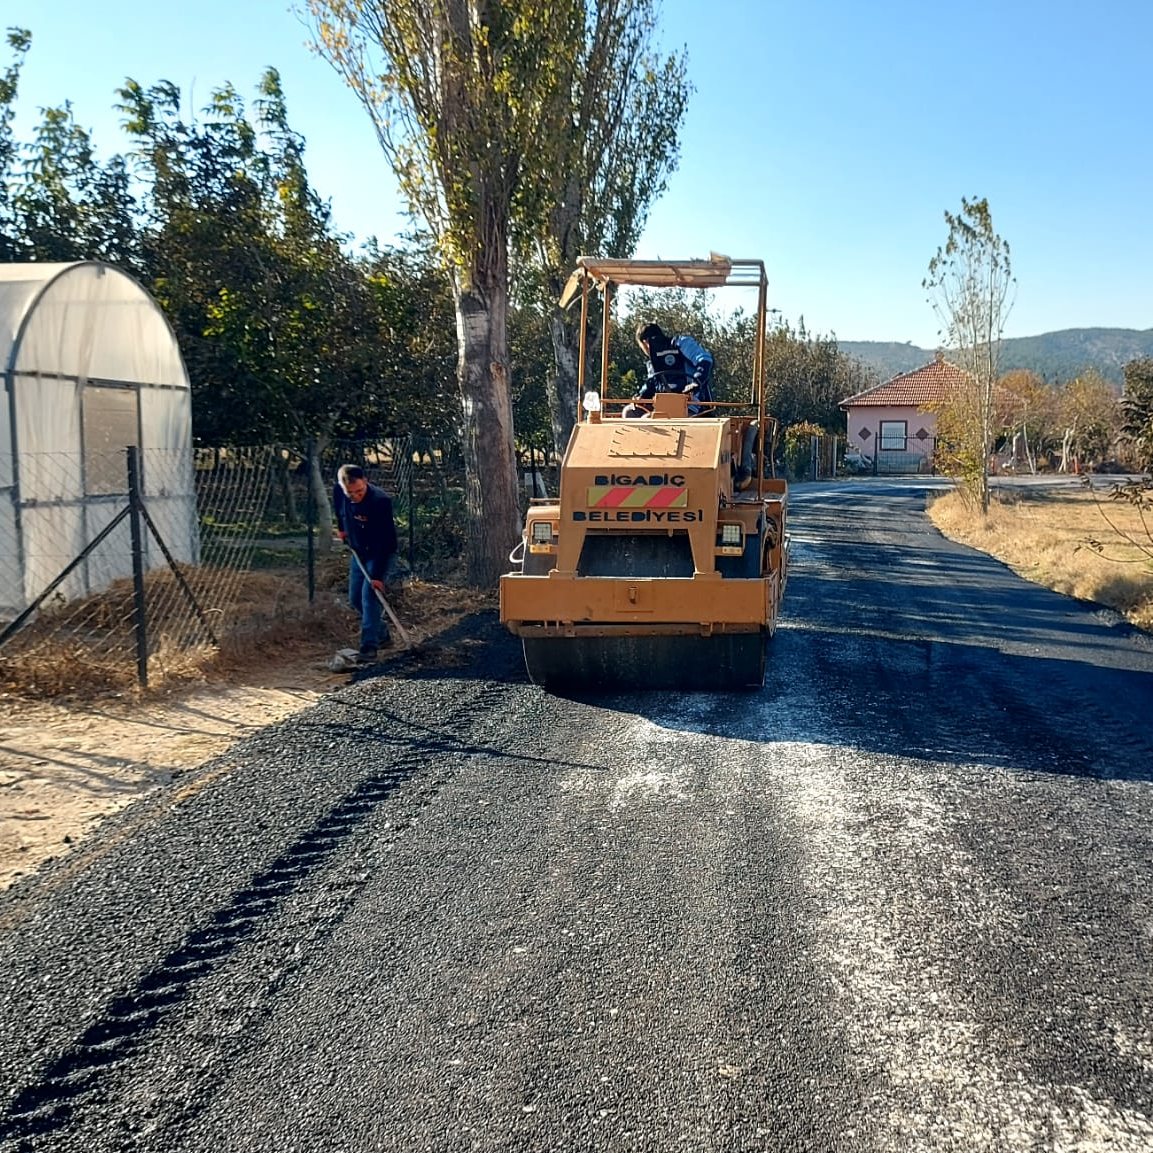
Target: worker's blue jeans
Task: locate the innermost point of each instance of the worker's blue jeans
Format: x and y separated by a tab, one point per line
364	600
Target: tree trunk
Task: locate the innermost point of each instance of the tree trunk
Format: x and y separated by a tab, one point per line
321	503
489	456
986	440
563	401
287	495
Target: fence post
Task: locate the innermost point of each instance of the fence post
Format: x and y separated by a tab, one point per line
411	512
310	517
139	616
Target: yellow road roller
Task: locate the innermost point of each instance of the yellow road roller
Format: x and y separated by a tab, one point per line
663	562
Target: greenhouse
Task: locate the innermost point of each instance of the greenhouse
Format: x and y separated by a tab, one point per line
89	367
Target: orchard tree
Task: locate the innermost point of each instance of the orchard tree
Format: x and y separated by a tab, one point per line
808	377
465	96
316	308
69	206
1090	419
280	327
57	169
531	354
1026	410
206	250
970	286
57	201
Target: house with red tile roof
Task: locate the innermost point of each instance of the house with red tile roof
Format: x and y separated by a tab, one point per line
892	425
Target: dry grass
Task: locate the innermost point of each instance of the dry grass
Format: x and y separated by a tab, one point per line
1062	539
266	617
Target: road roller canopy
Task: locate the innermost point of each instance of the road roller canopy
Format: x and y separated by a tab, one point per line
605	274
716	272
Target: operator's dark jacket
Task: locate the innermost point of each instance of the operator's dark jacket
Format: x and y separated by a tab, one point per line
673	363
368	528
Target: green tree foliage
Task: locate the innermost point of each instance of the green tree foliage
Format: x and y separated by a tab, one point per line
286	335
530	349
47	204
280	327
1137	407
57	201
208	255
970	284
18	41
417	341
68	206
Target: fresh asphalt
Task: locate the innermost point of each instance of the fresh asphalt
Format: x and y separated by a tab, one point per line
897	900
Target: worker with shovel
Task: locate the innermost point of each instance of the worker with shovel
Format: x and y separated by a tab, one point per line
365	523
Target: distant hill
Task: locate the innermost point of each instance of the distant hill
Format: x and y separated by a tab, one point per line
1055	356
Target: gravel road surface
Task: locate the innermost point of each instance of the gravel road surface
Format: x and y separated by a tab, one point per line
900	899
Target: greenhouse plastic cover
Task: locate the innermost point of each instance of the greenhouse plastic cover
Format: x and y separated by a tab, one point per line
63	327
84	320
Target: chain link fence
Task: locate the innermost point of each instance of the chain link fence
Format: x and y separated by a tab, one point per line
813	458
170	558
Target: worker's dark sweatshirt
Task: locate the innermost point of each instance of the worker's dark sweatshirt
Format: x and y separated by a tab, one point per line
368	527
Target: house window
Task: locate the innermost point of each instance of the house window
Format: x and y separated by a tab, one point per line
893	436
111	420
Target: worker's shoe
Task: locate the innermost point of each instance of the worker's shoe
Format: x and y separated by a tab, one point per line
366	657
744	478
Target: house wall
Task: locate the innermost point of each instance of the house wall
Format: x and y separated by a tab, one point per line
868	418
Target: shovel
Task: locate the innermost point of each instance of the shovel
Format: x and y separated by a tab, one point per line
405	639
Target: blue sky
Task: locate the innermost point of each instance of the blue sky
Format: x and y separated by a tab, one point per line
825	136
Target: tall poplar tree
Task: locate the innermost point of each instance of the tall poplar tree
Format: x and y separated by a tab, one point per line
616	147
468	98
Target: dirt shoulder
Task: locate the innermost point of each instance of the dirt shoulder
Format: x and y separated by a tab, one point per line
1068	537
66	765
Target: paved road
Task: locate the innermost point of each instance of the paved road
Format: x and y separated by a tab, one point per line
900	899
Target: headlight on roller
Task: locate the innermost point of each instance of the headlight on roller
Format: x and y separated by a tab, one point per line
541	532
730	534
